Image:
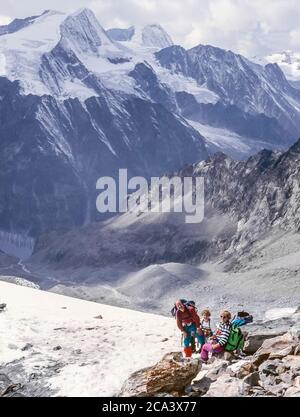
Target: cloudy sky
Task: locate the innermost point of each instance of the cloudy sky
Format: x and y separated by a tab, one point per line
250	27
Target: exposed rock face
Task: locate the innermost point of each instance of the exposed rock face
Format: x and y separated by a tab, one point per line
234	78
252	379
15	381
259	332
274	370
241	369
277	347
279	377
226	386
243	201
170	375
74	144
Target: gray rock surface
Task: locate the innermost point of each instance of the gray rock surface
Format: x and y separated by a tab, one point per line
171	375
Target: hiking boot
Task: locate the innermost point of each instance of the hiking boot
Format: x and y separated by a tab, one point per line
188	352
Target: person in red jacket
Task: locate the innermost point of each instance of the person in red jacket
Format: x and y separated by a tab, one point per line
188	322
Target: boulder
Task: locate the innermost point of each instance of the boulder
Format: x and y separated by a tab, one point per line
292	392
294	331
228	356
241	368
170	375
27	347
297	350
255	340
293	363
218	368
252	379
297	381
277	347
260	331
287	378
5	382
202	386
227	386
278	388
277	376
57	348
269	367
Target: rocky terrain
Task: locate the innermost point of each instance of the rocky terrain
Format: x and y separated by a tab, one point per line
271	367
243	202
245	249
61	346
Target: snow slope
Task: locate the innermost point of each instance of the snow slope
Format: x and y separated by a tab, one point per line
96	355
227	141
21	51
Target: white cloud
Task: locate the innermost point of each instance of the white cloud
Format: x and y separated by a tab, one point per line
250	27
295	38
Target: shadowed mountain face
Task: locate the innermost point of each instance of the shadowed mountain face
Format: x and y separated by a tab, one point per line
53	152
86	102
243	202
243	86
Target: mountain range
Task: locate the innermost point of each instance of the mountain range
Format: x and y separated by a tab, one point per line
87	101
248	243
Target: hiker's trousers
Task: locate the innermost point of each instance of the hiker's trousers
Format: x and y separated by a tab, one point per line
192	332
208	348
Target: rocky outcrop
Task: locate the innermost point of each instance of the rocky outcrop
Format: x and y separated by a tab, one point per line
248	199
257	333
275	348
273	370
169	376
227	386
280	377
237	82
60	148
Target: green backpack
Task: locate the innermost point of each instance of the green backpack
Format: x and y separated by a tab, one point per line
235	340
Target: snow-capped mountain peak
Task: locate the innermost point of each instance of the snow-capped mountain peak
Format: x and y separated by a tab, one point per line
152	35
82	31
80	35
289	62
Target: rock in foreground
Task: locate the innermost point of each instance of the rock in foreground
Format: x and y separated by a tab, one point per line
169	376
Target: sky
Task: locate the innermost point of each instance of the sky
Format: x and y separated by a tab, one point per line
249	27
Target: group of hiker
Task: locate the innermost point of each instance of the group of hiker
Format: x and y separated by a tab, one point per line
227	335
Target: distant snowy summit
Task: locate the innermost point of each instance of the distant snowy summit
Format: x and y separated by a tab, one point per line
149	36
288	61
25	44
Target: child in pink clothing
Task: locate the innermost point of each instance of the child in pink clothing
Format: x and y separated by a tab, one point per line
219	339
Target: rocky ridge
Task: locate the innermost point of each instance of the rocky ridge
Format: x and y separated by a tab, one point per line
273	370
